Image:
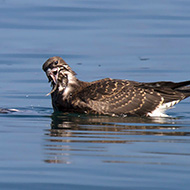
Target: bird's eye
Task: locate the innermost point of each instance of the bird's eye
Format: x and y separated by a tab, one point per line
56	62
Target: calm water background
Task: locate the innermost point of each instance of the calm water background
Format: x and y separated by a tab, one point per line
138	40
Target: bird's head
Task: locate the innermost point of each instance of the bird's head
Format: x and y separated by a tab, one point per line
59	73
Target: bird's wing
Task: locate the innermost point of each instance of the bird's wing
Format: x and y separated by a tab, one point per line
111	96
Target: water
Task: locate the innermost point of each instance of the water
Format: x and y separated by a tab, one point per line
143	41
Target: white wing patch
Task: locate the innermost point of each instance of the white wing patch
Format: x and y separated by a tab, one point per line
160	110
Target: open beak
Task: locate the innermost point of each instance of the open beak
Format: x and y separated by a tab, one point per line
52	75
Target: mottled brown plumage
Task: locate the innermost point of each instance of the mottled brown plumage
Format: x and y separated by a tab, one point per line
110	96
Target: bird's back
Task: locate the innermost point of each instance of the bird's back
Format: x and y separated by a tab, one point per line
124	97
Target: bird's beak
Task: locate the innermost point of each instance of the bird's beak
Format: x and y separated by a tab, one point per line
52	75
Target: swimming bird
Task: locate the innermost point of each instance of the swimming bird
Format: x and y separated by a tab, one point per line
108	96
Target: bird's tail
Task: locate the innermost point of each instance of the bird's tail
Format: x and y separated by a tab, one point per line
171	90
183	87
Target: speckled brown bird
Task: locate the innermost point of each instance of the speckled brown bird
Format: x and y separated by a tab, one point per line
110	96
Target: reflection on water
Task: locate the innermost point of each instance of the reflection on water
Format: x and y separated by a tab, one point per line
73	136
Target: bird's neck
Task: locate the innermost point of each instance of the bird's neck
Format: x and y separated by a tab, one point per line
73	86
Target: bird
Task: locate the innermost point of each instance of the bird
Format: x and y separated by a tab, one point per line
112	97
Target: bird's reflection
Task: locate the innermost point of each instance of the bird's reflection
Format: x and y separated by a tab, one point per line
72	135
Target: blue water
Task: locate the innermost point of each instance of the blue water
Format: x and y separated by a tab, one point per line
136	40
